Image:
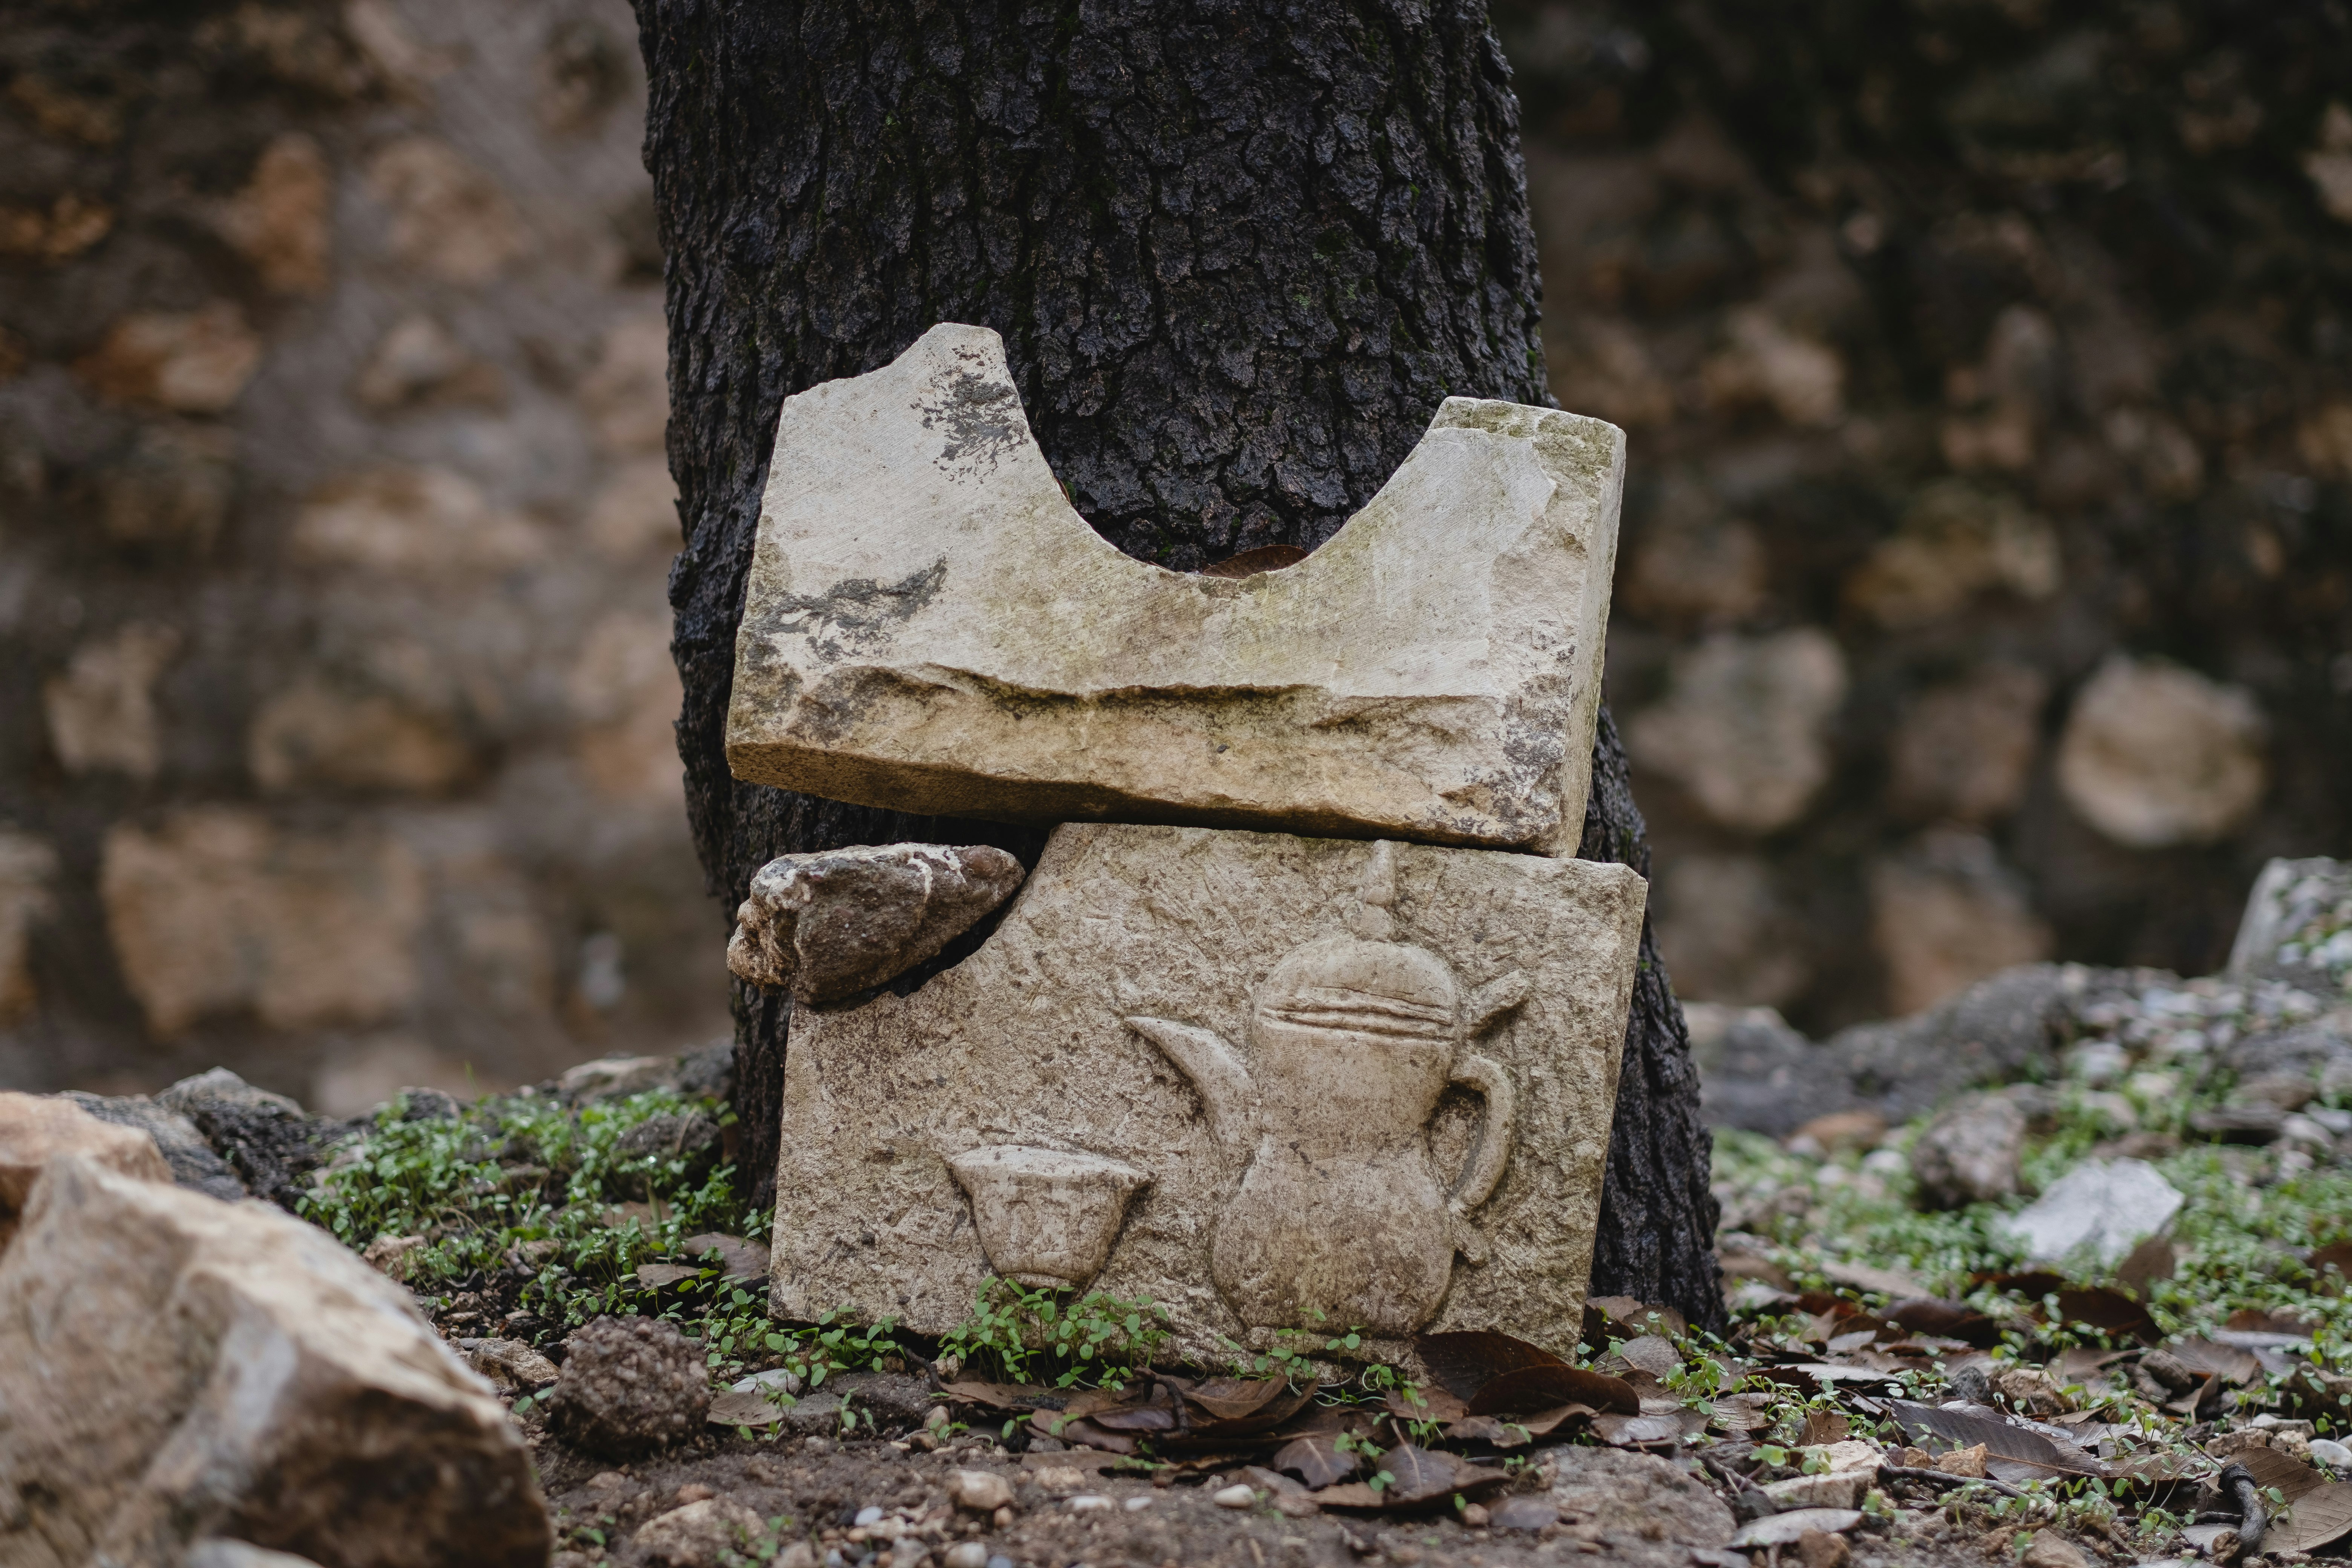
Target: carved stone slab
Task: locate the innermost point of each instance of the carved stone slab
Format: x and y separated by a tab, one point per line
930	626
1252	1076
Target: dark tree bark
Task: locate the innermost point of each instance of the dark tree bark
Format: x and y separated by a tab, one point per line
1238	253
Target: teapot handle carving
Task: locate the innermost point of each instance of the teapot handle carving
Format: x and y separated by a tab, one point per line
1485	1168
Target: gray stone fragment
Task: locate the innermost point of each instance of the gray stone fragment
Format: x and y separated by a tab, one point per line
1969	1153
1994	1031
1758	1074
1637	1496
429	1105
629	1386
687	1135
2298	926
616	1077
511	1364
708	1072
2238	1123
2108	1206
705	1534
885	1402
194	1164
831	924
270	1142
2319	1051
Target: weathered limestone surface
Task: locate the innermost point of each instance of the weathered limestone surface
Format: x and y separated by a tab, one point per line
172	1367
2298	925
36	1129
1249	1075
931	626
831	924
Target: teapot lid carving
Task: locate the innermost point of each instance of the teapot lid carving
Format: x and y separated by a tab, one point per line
1366	983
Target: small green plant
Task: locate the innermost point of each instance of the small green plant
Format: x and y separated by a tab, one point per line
1028	1335
525	1184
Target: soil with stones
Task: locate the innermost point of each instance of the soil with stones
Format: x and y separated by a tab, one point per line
1071	1508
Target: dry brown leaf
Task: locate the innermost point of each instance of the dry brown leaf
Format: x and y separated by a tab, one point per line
2081	1363
1464	1363
1235	1398
1534	1388
1006	1396
1653	1354
1418	1479
739	1258
2336	1255
1316	1460
2004	1442
2271	1321
2151	1260
1424	1404
2322	1515
749	1408
2108	1311
1609	1318
1881	1281
1945	1320
1823	1426
1742	1412
2227	1363
2270	1468
1640	1431
1517	1431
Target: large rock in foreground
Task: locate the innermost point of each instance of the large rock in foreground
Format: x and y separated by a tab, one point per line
173	1368
930	626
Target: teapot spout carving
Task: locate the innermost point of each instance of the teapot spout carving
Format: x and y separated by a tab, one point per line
1216	1073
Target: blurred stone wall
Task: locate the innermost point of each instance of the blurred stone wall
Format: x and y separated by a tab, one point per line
335	693
1985	589
1986	585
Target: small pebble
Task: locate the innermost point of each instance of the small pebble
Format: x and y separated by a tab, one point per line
2330	1452
1090	1503
1137	1504
1235	1496
867	1515
966	1554
695	1491
981	1491
1473	1515
999	1561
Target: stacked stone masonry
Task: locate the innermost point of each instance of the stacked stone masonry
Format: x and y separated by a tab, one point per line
335	693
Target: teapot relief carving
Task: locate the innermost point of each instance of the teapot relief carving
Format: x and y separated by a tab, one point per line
1341	1211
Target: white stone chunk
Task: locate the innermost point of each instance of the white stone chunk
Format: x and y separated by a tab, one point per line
1270	1082
2107	1206
929	626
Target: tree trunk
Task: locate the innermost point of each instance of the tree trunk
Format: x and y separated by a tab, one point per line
1237	254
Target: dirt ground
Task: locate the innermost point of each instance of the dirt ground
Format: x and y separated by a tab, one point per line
812	1488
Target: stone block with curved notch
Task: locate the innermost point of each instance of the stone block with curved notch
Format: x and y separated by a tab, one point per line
1370	1085
930	626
